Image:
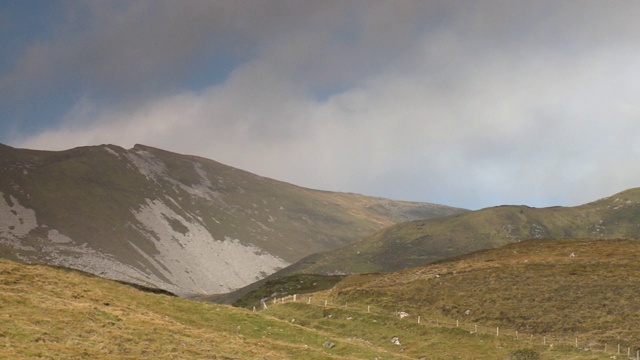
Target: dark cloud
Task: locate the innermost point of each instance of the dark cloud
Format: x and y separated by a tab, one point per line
122	49
132	49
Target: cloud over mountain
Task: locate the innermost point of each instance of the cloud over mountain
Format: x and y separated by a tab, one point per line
468	104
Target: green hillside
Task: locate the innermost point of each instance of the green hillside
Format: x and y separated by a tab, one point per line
421	242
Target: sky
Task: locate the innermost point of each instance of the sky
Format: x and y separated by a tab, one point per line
464	103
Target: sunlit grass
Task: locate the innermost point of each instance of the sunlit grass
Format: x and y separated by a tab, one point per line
61	314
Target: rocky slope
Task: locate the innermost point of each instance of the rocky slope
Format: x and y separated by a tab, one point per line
181	223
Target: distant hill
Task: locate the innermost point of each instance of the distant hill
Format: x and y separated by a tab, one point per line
573	288
181	223
421	242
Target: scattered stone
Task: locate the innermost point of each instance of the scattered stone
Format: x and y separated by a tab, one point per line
329	344
395	340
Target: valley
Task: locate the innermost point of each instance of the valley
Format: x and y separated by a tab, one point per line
319	180
96	242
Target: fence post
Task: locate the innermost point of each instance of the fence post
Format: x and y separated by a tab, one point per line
254	309
544	340
516	335
368	308
325	303
576	342
476	327
294	297
497	331
618	348
309	300
418	319
456	322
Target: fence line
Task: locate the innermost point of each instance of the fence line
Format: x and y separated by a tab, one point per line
485	330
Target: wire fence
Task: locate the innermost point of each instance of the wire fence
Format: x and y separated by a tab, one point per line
617	350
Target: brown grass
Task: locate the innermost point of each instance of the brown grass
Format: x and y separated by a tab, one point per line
535	287
53	313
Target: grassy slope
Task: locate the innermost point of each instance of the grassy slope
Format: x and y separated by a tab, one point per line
535	287
417	341
57	313
425	241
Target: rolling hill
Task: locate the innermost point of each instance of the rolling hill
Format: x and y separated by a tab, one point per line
181	223
421	242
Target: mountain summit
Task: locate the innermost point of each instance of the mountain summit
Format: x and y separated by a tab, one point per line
181	223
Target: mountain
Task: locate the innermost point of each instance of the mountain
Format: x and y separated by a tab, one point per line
181	223
561	288
421	242
57	313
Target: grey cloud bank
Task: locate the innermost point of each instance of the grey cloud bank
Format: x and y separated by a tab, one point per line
469	104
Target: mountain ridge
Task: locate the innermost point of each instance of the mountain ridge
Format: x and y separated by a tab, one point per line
182	223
